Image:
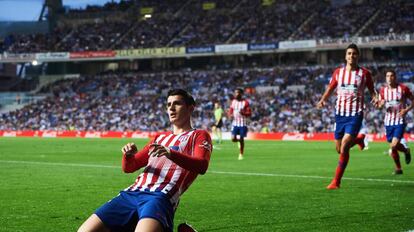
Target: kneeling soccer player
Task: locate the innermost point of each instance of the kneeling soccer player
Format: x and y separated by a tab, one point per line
172	162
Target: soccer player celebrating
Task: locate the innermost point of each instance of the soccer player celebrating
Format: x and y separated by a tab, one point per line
171	163
218	123
350	82
239	111
394	96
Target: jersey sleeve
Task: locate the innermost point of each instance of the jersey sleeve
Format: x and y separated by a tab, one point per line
381	93
408	92
199	160
230	112
369	82
139	160
334	79
247	111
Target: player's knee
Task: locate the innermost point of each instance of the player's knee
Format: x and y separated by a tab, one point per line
234	140
149	224
93	223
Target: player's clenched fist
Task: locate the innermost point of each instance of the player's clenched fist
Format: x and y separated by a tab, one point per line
157	150
129	149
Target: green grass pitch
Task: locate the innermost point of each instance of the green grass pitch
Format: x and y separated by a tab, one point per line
55	184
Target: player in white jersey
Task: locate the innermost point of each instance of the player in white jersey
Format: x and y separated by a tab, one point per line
395	97
350	82
240	111
171	162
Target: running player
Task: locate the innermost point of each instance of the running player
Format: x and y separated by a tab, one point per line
395	96
239	111
350	82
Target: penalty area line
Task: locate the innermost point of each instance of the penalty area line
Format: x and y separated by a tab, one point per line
211	171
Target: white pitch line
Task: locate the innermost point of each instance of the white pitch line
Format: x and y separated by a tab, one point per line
59	164
309	177
212	171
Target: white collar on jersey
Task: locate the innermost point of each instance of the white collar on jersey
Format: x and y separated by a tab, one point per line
184	132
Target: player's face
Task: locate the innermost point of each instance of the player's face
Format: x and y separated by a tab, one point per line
390	78
178	111
237	94
351	56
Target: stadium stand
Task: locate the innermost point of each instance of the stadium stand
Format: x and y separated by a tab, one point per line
283	99
191	23
280	96
396	17
337	22
275	22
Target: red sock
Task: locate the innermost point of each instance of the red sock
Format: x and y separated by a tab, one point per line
401	148
361	136
343	162
396	159
359	140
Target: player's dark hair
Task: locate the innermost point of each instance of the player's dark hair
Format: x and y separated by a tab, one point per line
391	71
241	90
188	99
353	46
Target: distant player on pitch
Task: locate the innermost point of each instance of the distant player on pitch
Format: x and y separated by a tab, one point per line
350	82
240	112
395	97
171	163
218	122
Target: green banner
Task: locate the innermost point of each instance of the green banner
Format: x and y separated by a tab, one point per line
209	5
146	10
267	2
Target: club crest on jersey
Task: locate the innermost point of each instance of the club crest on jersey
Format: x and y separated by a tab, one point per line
206	145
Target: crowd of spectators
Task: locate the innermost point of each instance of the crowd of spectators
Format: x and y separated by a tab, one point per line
28	43
283	99
338	21
94	36
190	23
397	17
156	31
275	22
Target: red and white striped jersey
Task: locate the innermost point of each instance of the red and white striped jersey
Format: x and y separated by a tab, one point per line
350	89
240	110
395	100
161	174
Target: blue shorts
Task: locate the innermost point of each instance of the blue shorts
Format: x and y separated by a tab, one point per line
123	211
239	130
347	125
396	131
